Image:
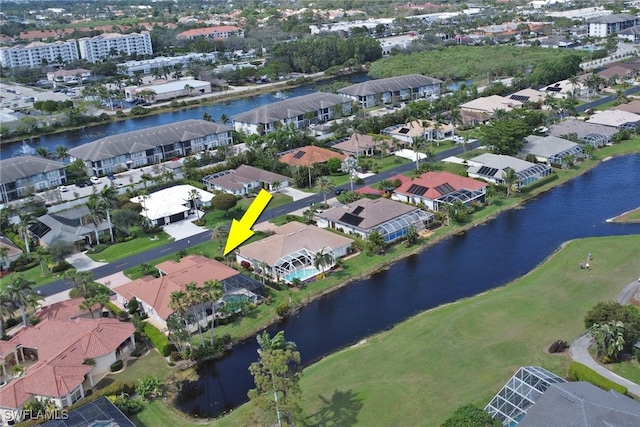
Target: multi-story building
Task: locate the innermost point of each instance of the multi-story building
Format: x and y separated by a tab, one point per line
94	49
392	89
37	54
607	25
146	66
24	174
219	32
149	146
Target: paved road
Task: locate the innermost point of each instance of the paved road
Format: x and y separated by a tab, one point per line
579	350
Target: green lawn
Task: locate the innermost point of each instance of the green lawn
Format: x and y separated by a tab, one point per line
633	216
142	243
151	363
216	217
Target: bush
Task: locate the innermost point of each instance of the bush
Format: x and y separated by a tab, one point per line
99	248
580	372
116	366
113	308
25	267
133	305
11	322
62	266
158	339
283	309
558	346
123	316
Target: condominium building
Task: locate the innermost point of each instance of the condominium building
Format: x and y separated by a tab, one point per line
94	49
219	32
37	54
611	24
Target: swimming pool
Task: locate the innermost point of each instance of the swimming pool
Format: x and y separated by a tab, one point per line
302	274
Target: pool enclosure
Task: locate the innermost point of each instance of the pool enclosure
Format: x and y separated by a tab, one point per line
299	264
397	228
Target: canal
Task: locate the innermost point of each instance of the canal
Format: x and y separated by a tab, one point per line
484	258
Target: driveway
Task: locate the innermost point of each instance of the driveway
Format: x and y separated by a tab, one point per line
82	262
295	193
185	228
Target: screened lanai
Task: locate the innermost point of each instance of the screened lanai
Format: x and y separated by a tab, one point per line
533	173
298	264
463	195
576	152
519	393
397	227
595	139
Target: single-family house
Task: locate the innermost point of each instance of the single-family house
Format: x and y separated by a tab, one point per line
630	107
291	252
589	133
53	356
154	294
94	414
307	156
392	90
299	112
388	217
490	104
70	225
13	252
620	71
75	76
552	150
245	179
358	145
565	88
22	175
433	189
616	119
528	95
492	167
172	204
149	146
422	129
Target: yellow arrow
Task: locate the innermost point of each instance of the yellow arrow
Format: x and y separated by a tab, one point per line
241	230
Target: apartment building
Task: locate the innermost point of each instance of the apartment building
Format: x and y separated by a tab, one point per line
36	54
22	175
94	49
607	25
219	32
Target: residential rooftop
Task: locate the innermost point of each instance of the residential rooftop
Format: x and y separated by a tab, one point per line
20	167
390	84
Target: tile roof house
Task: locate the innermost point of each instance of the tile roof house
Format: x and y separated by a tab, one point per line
300	112
21	174
589	133
490	104
630	107
64	310
616	118
551	149
423	129
393	89
151	145
621	71
359	145
245	179
291	251
69	225
307	156
53	355
492	167
13	252
388	217
172	204
154	294
437	188
217	32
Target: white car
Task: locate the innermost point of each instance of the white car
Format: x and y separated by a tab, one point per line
63	189
95	180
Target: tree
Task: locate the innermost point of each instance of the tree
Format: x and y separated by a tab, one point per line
511	179
609	339
4	253
277	397
107	198
412	235
568	160
629	315
19	288
588	150
213	290
375	243
80	280
44	152
325	185
323	260
179	305
219	234
350	166
470	416
60	152
59	249
95	214
150	387
224	202
193	197
25	221
124	219
506	135
6	310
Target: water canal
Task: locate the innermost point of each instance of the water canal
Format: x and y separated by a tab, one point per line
462	266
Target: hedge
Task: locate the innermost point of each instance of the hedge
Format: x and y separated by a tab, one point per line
25	267
580	372
113	308
116	366
158	339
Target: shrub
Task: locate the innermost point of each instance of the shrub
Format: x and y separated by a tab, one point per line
25	267
99	248
116	366
62	266
113	308
283	309
158	339
245	264
558	346
138	111
133	305
175	356
580	372
11	322
123	316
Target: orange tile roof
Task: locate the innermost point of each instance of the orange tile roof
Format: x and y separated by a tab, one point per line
63	310
431	180
208	31
312	154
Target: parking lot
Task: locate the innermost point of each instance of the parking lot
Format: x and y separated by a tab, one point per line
19	96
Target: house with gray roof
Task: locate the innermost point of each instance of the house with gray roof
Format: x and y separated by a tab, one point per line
299	112
149	146
388	217
393	89
590	133
13	252
551	149
616	118
245	179
631	34
604	26
24	174
71	226
492	167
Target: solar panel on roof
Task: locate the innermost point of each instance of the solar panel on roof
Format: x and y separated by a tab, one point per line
554	89
404	130
39	229
520	98
351	219
445	188
417	189
357	210
299	154
486	170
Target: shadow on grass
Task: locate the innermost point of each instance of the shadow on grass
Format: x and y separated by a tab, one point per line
340	410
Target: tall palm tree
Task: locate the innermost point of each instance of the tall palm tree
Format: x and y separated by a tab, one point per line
325	185
6	310
80	279
220	233
322	260
33	300
350	166
224	119
26	220
178	304
213	291
196	297
44	152
194	195
61	152
107	199
19	288
510	178
573	81
95	214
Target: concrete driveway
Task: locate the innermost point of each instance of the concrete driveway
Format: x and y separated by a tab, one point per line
82	262
185	228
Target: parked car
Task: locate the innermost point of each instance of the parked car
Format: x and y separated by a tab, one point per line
339	191
94	180
63	189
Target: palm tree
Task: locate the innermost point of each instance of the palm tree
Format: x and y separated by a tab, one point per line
621	97
213	290
573	81
4	253
416	144
33	300
80	279
412	235
178	304
325	185
322	260
568	160
6	310
95	214
609	338
510	178
350	165
194	195
19	288
220	233
26	220
107	198
60	152
143	197
224	119
44	152
588	150
195	298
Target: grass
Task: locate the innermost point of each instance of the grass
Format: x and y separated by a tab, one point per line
34	275
216	217
142	243
632	216
151	363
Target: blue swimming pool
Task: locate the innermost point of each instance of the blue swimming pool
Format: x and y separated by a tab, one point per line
302	274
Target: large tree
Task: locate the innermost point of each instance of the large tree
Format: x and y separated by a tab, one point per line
505	135
224	202
107	198
609	339
277	398
325	185
19	289
323	260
